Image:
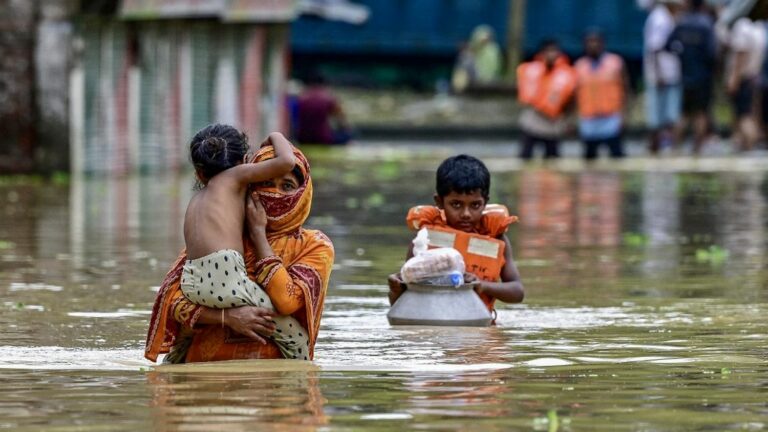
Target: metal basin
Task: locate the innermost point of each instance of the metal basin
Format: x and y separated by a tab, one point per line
434	305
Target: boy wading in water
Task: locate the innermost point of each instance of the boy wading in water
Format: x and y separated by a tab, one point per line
463	219
214	274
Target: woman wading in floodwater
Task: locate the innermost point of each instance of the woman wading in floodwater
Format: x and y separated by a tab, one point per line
291	263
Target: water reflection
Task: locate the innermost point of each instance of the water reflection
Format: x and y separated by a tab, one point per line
118	218
741	224
237	396
645	306
546	208
660	224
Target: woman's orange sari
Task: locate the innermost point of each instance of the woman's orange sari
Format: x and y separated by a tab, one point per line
297	274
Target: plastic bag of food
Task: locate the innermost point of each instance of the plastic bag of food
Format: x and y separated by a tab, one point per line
441	266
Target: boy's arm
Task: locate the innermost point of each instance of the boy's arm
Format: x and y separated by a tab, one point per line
510	289
283	162
395	281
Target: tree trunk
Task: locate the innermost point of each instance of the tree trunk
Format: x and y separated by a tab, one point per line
515	36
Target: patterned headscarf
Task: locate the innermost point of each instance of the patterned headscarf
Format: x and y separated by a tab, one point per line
286	213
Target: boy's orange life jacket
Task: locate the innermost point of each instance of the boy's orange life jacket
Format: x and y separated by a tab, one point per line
548	91
482	251
600	90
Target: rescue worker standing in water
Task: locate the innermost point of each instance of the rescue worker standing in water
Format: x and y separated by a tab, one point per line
601	97
545	87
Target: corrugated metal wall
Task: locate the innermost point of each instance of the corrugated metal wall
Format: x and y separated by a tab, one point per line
140	90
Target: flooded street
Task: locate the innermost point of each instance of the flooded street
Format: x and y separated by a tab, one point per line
645	306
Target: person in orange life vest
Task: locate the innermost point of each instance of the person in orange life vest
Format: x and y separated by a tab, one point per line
601	97
463	184
545	89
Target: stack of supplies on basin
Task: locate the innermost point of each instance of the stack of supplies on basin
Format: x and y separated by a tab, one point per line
437	294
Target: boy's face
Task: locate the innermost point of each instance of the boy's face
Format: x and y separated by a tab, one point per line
463	211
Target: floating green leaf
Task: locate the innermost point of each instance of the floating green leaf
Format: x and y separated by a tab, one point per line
374	200
635	239
714	255
352	203
554	422
60	178
387	171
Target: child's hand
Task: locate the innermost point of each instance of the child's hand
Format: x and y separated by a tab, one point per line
255	214
283	149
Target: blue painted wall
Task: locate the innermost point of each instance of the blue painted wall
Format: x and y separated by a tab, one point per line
566	20
436	27
398	27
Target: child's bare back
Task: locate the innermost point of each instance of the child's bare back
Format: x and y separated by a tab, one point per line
214	217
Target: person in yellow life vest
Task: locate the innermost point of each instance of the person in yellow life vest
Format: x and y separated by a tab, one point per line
545	89
600	97
477	229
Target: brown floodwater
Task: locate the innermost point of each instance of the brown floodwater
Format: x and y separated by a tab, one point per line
645	304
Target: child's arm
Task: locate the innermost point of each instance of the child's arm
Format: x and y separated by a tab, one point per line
510	289
283	162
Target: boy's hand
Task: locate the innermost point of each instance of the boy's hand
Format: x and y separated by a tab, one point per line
396	287
395	283
472	278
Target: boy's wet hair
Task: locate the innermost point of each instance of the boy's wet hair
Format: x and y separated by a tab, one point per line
463	174
216	148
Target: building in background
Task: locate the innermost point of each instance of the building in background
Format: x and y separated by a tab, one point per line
148	73
415	43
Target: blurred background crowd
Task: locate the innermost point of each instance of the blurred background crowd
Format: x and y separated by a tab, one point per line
691	50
